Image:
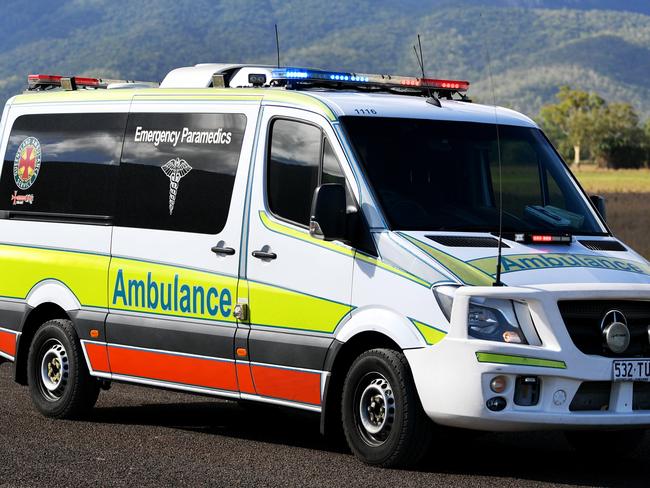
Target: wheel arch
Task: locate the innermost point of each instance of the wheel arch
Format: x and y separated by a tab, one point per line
52	291
48	299
367	328
384	321
339	358
34	318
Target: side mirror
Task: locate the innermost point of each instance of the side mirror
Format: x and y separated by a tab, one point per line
328	213
599	203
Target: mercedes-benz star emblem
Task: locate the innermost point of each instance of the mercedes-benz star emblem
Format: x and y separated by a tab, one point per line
615	332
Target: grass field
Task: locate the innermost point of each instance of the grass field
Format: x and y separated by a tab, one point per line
614	181
627	194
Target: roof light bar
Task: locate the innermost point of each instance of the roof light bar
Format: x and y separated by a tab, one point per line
36	82
543	238
297	75
43	82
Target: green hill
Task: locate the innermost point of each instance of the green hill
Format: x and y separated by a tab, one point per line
534	45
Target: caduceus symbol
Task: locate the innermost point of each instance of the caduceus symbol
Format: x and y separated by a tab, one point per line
175	169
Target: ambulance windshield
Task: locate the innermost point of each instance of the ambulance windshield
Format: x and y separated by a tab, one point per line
441	175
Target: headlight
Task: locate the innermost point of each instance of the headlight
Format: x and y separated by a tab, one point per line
494	320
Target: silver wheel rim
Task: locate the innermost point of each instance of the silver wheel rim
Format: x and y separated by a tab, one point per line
54	369
375	409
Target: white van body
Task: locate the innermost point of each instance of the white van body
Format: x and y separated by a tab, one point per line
305	300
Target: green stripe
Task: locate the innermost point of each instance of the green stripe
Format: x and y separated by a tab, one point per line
430	334
488	357
300	100
304	236
468	274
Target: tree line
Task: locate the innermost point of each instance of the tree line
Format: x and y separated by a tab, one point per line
584	126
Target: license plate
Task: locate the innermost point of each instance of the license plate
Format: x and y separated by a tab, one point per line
636	370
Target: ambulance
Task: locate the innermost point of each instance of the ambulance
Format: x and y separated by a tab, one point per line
375	249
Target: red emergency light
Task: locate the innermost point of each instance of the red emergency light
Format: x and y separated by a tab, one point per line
39	81
543	238
436	84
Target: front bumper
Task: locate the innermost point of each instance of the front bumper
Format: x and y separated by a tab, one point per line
453	377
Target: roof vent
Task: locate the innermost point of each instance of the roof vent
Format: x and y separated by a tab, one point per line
603	245
467	241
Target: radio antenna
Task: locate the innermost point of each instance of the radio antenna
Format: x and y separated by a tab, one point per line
432	99
497	281
277	44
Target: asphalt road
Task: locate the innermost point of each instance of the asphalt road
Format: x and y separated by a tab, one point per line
144	437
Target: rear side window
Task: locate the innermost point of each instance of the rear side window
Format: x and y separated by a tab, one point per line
63	164
300	159
178	171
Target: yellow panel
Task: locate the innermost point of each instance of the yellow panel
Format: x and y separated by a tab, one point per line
431	334
279	307
23	267
470	275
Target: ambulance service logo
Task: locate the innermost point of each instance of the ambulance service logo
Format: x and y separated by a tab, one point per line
175	169
27	163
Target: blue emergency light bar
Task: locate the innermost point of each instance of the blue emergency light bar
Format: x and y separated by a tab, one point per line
300	75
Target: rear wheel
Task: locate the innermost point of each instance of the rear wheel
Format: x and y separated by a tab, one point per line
59	381
619	442
383	420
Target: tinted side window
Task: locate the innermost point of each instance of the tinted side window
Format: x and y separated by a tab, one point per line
293	169
332	171
178	171
63	164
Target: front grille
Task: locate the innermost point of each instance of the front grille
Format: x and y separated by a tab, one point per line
583	319
593	396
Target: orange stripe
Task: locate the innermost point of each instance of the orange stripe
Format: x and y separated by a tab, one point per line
297	386
177	369
8	343
98	357
245	379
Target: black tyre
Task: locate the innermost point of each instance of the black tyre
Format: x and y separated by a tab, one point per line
59	382
383	419
618	442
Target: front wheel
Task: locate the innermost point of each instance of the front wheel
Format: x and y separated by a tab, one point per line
59	382
383	419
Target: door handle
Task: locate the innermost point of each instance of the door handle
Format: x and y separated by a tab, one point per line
264	255
227	251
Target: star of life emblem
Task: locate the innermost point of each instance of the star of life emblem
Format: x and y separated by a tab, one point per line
175	169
